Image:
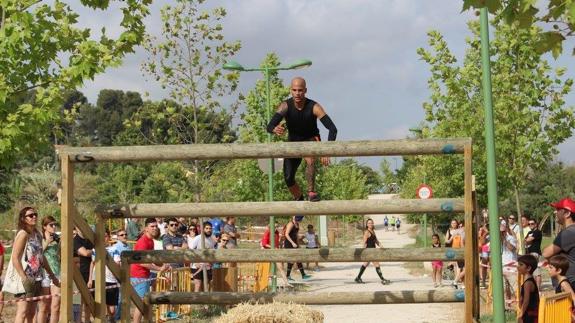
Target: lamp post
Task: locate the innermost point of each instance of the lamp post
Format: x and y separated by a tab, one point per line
235	66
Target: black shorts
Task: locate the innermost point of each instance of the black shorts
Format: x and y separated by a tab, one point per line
199	274
112	295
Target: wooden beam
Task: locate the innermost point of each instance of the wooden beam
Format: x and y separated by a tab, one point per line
126	289
277	149
67	245
100	279
293	255
471	234
332	207
83	289
331	298
114	268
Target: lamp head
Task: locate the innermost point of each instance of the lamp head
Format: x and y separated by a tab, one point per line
233	66
300	63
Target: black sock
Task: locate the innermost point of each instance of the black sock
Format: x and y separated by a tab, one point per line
378	271
361	270
289	267
300	267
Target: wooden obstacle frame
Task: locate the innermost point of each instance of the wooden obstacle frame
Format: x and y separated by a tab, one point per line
77	155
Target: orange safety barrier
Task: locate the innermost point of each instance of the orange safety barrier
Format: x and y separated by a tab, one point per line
555	308
177	280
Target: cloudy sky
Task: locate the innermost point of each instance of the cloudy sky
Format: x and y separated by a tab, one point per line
365	71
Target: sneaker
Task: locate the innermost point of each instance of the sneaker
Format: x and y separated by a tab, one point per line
316	269
305	276
313	196
358	280
290	279
385	281
454	285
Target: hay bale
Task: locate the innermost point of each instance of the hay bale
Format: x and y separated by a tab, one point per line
271	313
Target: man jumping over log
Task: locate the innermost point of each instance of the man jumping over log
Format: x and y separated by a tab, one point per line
301	115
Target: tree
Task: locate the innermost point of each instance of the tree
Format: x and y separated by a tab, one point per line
153	124
103	122
187	61
255	119
529	110
558	19
549	184
42	49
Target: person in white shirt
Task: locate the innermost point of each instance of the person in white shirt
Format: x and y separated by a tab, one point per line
197	268
509	260
312	242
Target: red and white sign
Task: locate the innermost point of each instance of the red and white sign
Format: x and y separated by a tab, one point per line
424	192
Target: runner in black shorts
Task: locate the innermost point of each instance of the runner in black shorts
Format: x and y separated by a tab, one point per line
301	115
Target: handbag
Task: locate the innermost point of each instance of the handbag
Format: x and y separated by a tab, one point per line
13	282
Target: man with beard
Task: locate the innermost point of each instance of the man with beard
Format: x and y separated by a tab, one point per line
565	240
197	268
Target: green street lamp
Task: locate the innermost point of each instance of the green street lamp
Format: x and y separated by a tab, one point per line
235	66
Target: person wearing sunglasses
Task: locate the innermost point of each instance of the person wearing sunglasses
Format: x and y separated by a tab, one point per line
24	273
565	240
116	252
533	247
173	239
51	246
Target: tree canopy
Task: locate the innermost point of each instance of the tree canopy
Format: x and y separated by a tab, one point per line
43	49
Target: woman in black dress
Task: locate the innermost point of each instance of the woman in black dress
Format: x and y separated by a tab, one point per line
370	241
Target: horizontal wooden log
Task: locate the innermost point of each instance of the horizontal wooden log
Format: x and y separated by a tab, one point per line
331	298
331	207
279	149
293	255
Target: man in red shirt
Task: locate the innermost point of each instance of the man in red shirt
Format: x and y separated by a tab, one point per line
140	273
266	244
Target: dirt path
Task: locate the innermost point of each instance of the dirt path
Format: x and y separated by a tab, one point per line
336	277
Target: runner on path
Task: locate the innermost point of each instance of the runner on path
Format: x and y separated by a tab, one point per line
370	241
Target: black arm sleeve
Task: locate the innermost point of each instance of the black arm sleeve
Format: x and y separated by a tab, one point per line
276	119
326	121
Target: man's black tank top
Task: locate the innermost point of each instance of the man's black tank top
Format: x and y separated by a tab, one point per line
301	124
293	236
370	243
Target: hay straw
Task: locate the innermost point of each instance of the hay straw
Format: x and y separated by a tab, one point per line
271	313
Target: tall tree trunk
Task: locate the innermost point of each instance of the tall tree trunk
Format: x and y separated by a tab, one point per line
519	214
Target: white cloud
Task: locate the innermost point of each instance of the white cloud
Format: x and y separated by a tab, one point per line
365	68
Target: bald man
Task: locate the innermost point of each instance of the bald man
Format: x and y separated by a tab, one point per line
301	115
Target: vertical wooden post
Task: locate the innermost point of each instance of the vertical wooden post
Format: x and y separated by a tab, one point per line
100	283
470	237
476	260
148	308
67	211
126	288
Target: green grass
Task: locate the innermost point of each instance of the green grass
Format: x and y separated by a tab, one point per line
510	318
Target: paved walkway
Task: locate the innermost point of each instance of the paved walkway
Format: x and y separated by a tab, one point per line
337	277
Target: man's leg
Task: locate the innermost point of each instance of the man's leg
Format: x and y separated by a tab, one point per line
290	167
310	178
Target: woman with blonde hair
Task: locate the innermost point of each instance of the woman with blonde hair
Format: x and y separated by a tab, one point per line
24	274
